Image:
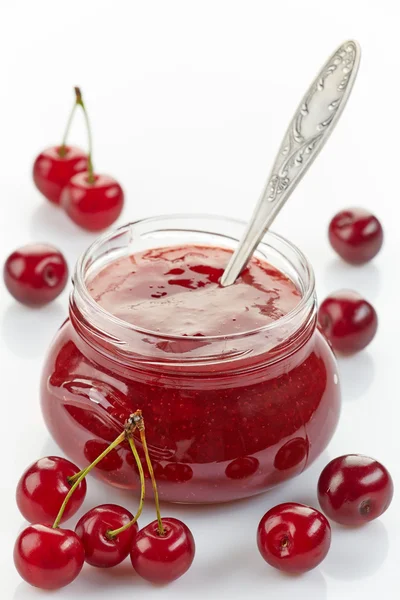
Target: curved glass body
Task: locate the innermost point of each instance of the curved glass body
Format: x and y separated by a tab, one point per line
226	416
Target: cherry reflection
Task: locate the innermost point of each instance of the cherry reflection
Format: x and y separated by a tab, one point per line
242	467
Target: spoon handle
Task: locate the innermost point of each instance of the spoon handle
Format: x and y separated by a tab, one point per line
308	131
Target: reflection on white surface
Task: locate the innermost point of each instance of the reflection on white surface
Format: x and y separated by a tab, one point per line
27	332
356	552
365	279
357	374
50	223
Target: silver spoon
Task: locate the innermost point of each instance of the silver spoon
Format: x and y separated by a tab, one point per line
308	131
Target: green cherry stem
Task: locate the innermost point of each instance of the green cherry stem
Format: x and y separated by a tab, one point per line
63	148
79	102
140	426
83	474
112	534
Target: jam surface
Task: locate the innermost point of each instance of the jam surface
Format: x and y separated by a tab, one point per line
213	434
176	291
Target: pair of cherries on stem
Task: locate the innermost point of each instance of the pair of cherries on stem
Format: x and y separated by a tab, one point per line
64	175
50	557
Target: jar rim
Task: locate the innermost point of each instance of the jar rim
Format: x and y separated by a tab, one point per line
268	239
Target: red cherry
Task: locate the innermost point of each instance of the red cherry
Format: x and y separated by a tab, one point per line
163	558
356	235
348	321
43	487
55	166
48	558
35	274
293	537
100	549
93	206
354	489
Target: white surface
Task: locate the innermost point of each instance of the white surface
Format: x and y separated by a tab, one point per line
188	102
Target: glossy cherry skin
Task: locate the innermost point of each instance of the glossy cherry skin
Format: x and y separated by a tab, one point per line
42	488
48	558
52	170
100	549
354	489
347	321
356	235
293	537
93	206
35	274
161	559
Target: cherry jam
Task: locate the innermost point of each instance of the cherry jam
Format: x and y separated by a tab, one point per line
238	388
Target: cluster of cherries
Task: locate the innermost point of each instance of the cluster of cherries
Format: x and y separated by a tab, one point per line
292	537
53	489
36	274
65	176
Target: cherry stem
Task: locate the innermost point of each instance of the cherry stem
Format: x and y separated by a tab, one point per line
140	426
83	474
63	148
115	532
79	102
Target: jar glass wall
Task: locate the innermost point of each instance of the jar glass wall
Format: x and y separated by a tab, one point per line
226	416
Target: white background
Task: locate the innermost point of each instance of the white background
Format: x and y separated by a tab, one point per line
188	102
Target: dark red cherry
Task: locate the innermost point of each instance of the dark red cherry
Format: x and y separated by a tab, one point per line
93	529
55	166
48	558
293	537
35	274
354	489
42	488
356	235
93	206
163	558
348	321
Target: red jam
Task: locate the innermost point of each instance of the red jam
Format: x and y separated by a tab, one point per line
228	412
176	291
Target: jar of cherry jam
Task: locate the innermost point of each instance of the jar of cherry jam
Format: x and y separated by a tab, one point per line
238	388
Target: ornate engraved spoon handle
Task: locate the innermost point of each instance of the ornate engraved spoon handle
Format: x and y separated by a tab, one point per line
308	131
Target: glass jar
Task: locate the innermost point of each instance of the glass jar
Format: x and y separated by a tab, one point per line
226	416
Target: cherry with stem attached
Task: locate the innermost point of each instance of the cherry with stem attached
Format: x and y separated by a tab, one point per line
51	557
163	550
43	487
54	167
107	531
91	200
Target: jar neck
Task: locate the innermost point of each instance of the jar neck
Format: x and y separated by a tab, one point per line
124	344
